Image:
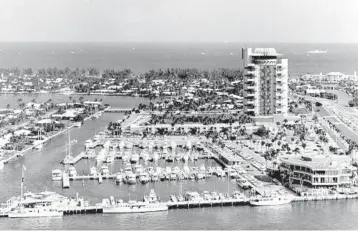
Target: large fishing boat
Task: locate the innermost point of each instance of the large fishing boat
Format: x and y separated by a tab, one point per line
316	52
38	210
56	175
270	201
134	158
243	183
150	204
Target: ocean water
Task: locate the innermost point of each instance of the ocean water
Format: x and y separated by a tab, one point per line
141	57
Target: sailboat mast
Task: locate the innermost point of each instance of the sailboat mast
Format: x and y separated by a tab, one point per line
22	185
69	143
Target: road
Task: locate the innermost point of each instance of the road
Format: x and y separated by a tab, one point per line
344	117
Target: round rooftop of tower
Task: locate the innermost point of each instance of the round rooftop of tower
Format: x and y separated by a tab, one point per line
265	52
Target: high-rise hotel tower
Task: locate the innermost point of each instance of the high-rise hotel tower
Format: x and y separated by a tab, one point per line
265	82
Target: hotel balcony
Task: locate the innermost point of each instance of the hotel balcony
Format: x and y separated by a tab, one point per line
250	80
251	86
250	102
250	74
250	66
249	95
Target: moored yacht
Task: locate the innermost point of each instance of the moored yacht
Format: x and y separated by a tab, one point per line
72	171
134	158
93	171
151	197
36	211
155	156
56	175
270	201
144	177
119	178
128	168
131	178
77	124
88	144
134	207
104	170
155	177
243	183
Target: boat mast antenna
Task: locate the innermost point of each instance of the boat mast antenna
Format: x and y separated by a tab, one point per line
22	183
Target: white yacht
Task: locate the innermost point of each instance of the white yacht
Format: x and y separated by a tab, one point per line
316	52
138	169
93	171
131	178
36	211
151	197
243	183
77	124
110	157
128	168
88	144
96	138
134	158
155	177
155	157
232	173
119	178
72	172
173	176
39	146
135	207
56	175
270	201
104	170
145	156
185	158
144	177
65	180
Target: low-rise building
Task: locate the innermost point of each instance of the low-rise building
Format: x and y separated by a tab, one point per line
317	170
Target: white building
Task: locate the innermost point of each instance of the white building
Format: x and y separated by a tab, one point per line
319	170
265	82
331	77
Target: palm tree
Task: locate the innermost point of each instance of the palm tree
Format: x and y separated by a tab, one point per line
304	146
81	99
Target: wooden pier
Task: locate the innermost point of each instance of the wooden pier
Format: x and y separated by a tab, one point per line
83	210
89	177
118	110
206	203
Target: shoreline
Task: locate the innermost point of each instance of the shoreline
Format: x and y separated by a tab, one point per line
22	152
75	93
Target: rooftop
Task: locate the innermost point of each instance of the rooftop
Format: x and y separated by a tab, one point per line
265	52
318	162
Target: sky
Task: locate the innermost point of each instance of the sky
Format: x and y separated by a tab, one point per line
302	21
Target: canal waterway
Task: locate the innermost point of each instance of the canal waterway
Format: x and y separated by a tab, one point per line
39	164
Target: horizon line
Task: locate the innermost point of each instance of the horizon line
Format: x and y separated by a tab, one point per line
181	42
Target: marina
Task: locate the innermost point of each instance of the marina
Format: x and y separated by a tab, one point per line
174	122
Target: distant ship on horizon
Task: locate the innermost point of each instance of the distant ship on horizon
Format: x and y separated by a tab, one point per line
316	52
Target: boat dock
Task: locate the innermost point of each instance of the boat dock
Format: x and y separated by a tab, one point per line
118	110
206	203
96	177
83	210
42	142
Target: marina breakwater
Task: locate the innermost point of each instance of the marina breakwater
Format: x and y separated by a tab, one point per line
231	202
41	142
